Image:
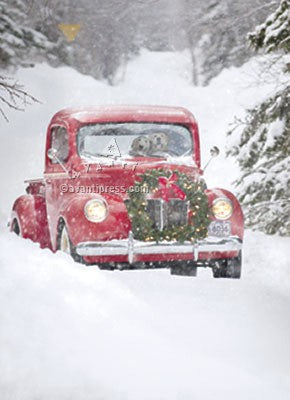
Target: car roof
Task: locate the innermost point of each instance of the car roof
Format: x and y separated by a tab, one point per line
121	113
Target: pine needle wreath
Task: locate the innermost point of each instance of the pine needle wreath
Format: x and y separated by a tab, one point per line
143	226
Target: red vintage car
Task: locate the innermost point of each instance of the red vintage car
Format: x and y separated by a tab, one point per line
119	190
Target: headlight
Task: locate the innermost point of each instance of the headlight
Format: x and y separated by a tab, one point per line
96	210
222	208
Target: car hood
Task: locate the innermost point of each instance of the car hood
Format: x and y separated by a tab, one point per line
117	179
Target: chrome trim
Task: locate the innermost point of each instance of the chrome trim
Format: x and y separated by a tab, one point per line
195	251
161	214
55	175
130	247
40	180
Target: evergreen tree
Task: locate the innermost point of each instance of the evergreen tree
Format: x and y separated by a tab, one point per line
18	42
215	32
261	143
273	34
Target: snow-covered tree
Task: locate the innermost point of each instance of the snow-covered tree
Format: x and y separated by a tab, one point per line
19	42
215	33
261	143
274	33
107	37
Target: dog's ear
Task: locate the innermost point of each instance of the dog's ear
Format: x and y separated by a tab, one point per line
133	147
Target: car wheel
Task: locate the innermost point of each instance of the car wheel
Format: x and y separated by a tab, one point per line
64	243
15	227
183	268
228	268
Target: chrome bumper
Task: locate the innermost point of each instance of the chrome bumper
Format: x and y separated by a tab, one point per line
130	247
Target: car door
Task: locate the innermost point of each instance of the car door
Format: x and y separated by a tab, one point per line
56	176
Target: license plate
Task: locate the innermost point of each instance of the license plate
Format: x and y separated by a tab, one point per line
219	228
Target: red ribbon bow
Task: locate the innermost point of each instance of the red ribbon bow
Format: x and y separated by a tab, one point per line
167	185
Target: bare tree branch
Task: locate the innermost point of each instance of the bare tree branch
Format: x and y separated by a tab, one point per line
14	96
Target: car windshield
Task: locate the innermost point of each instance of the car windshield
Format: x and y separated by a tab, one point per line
134	139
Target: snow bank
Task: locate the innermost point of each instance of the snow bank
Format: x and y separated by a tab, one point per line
76	333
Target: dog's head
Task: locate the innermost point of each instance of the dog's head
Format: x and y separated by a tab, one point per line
159	141
141	145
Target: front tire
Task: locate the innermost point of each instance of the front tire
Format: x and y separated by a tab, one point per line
15	227
65	245
228	268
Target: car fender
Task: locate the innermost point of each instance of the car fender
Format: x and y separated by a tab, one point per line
115	226
237	218
30	213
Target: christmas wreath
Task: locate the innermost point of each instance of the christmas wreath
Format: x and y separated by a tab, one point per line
165	184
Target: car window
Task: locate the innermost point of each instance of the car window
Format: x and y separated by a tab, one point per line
59	142
135	139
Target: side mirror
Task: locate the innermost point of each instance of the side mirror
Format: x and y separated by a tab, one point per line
214	151
51	153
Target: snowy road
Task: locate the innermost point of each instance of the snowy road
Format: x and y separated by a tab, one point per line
72	332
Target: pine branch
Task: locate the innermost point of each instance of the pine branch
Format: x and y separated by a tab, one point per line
14	96
254	11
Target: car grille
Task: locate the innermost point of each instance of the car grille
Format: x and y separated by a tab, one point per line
168	214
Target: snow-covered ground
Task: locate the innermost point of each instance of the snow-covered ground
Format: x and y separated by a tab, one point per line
71	332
